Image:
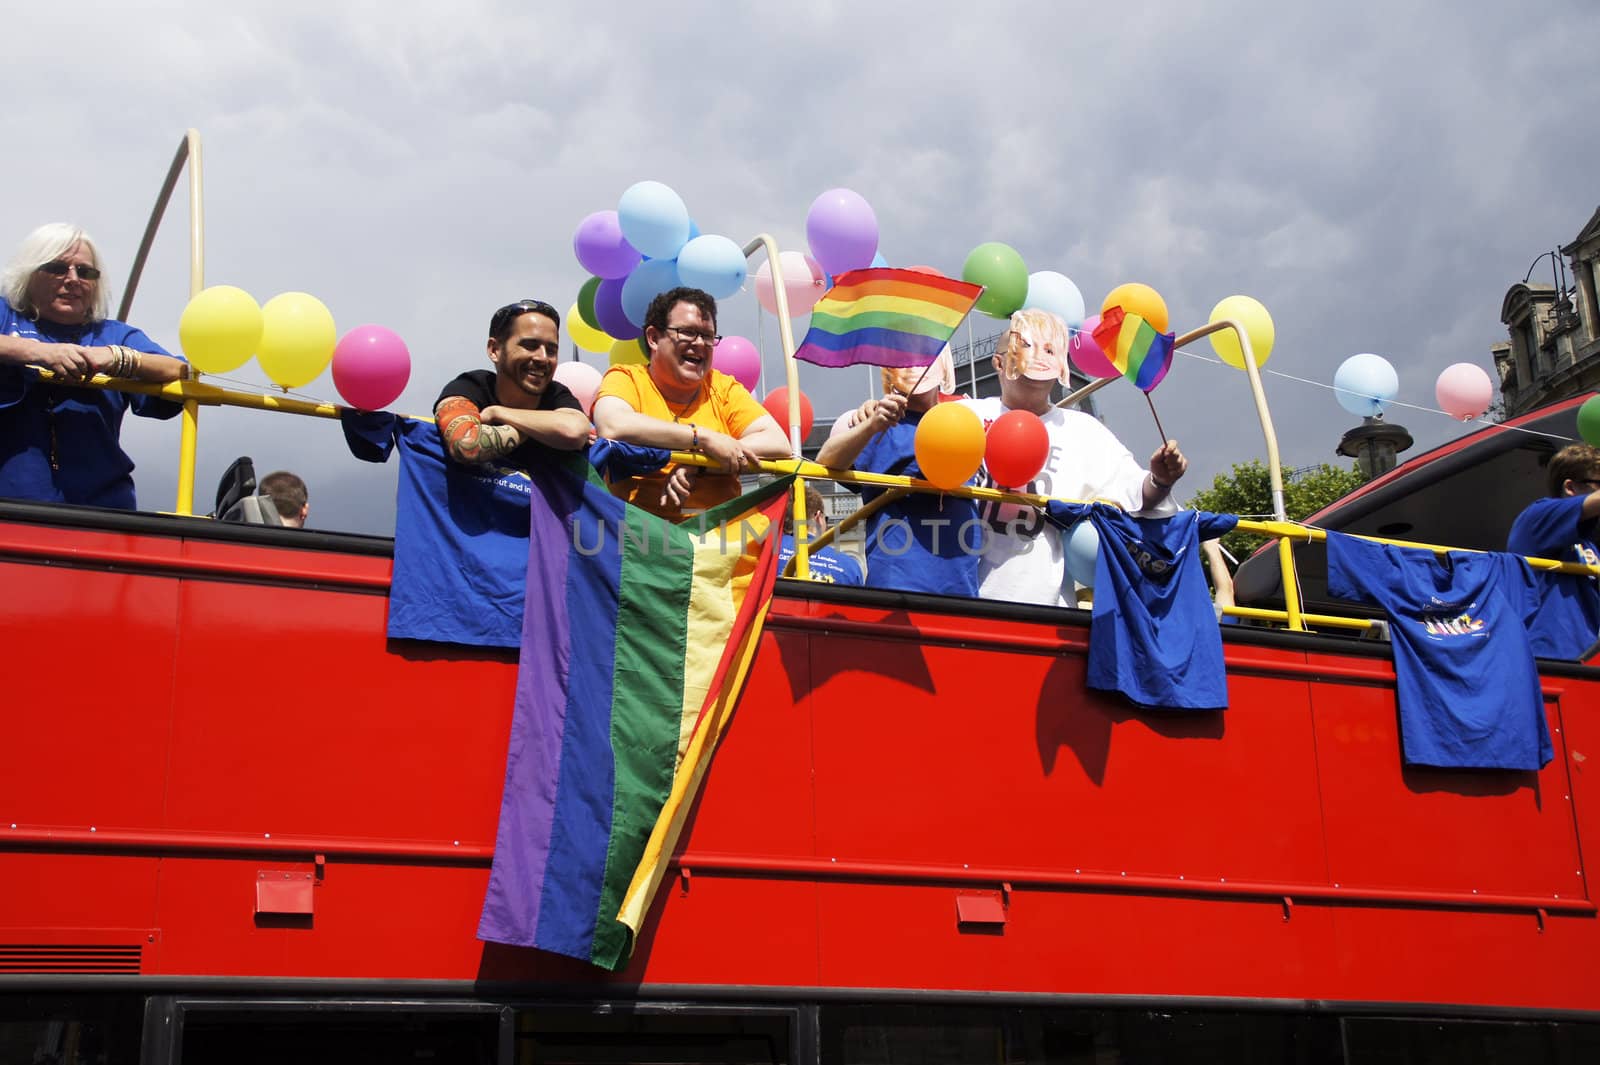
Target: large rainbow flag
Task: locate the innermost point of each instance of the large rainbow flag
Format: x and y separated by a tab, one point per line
1139	353
637	636
886	317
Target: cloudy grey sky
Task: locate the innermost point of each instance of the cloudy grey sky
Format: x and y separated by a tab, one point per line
1377	174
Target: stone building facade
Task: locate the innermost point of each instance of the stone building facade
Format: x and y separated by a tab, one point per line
1554	329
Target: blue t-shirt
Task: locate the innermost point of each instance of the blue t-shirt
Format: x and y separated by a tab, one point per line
827	565
1465	678
1568	620
923	542
1153	632
77	428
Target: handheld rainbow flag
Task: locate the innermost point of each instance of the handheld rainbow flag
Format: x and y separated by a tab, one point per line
1133	346
637	637
886	317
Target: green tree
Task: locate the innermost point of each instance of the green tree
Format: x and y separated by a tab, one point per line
1247	492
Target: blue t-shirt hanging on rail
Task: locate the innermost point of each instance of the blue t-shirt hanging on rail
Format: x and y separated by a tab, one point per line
1465	678
1153	633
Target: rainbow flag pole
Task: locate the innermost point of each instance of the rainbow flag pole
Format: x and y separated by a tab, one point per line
1138	351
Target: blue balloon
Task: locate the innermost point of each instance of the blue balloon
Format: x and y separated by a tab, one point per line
715	264
1364	384
1053	292
1083	548
878	260
694	229
647	281
653	219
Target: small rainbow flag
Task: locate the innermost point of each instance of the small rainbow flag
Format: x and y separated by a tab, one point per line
636	640
1134	347
886	317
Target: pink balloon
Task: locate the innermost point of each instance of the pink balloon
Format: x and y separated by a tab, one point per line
803	282
738	357
371	366
582	379
1464	391
1086	354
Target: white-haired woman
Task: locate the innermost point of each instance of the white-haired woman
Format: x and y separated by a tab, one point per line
59	443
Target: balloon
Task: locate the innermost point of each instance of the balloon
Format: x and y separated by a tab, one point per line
371	366
584	335
802	283
220	329
608	312
714	264
1464	391
601	248
654	219
1364	383
926	270
629	353
297	339
878	261
738	357
1053	292
777	404
1003	274
1082	549
1589	421
842	231
949	445
585	304
648	280
582	380
1015	448
1142	300
1085	352
1257	326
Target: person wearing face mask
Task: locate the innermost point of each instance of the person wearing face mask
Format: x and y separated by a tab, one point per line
922	542
59	443
1023	555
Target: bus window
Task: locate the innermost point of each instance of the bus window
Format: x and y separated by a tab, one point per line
330	1035
650	1035
70	1029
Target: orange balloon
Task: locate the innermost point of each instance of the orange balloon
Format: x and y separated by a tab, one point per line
949	445
1142	300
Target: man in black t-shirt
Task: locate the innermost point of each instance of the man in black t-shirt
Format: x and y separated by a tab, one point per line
517	413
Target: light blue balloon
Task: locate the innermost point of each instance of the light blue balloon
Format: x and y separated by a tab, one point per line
715	264
1053	292
1082	549
878	261
1364	384
653	219
648	280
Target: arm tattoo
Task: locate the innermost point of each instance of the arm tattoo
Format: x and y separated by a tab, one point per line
466	438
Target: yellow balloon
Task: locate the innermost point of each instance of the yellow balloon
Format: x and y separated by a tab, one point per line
585	335
627	353
949	445
1142	300
220	329
1257	326
297	339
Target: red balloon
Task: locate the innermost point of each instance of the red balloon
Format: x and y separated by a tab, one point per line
1016	448
777	404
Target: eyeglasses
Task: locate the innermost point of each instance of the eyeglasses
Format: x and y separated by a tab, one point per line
57	268
500	324
694	336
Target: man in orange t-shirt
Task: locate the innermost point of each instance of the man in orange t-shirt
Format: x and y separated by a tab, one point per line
678	401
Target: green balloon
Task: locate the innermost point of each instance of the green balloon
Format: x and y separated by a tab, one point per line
1003	275
1589	421
586	303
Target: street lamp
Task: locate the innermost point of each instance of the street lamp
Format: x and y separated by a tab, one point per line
1566	316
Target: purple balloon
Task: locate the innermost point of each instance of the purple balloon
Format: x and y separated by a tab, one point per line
842	231
608	310
601	247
